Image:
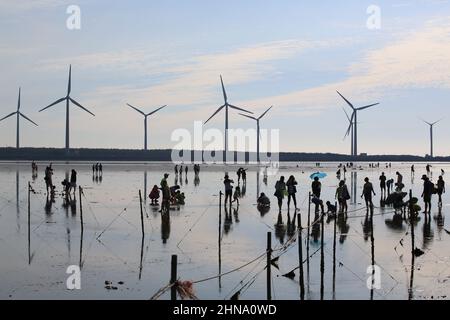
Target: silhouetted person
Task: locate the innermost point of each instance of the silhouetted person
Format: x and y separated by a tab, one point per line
280	190
48	179
389	184
176	169
292	190
413	171
100	168
73	181
239	172
399	183
367	193
237	195
440	188
383	184
228	189
165	203
186	169
342	195
154	195
244	175
316	187
427	193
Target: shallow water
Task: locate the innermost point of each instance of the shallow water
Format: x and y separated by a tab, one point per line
110	248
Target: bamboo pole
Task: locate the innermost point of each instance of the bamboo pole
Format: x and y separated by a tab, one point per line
269	276
173	278
300	257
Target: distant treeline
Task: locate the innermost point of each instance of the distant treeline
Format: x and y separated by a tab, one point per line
49	154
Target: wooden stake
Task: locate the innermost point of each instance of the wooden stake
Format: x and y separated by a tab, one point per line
29	222
173	278
300	257
334	252
142	213
82	228
220	239
322	263
269	255
411	221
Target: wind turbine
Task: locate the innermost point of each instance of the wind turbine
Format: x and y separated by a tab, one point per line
431	124
18	114
68	99
257	129
350	130
146	115
354	123
226	106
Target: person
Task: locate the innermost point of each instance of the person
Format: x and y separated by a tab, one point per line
186	169
428	168
96	168
389	184
181	170
383	184
244	175
179	198
154	195
331	208
48	178
165	203
399	183
318	203
442	171
239	172
428	188
316	187
93	169
413	170
292	190
280	190
367	193
342	195
263	200
73	181
100	168
237	195
228	189
176	169
440	188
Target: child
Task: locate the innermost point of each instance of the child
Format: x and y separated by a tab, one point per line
237	194
331	208
154	195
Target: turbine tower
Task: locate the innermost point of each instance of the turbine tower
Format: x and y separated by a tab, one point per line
18	115
350	130
354	122
257	129
431	124
68	99
146	115
226	106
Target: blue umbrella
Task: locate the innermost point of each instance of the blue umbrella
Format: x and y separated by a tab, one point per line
319	175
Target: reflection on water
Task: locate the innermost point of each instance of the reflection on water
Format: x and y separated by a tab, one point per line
194	233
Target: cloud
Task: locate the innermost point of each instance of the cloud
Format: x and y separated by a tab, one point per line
416	60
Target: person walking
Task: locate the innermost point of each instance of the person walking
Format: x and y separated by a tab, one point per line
280	190
440	188
291	185
399	183
427	193
48	179
367	193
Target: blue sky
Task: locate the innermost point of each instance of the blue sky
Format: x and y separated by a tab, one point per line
290	54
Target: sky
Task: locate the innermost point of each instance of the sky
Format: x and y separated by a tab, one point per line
291	54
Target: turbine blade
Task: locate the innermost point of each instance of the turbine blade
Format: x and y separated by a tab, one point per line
155	111
348	130
349	120
265	113
348	102
237	108
9	115
366	107
250	117
28	119
18	101
223	90
80	106
69	86
217	111
437	121
56	102
136	109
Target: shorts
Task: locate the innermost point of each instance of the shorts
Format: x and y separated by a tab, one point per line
228	193
427	197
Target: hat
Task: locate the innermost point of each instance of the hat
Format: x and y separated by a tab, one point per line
166	175
424	177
